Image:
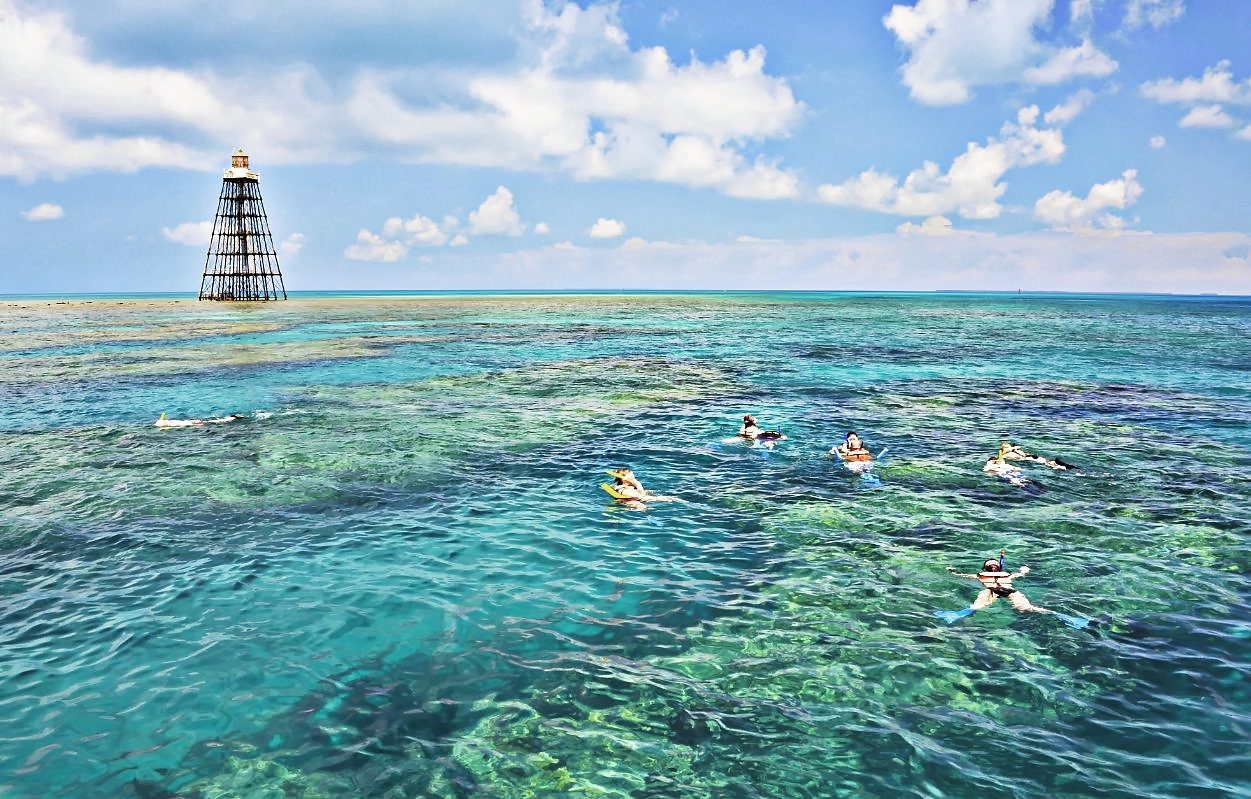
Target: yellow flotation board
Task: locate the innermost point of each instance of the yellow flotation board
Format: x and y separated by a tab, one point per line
614	493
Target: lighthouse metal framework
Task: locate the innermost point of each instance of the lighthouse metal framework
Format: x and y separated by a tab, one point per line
241	265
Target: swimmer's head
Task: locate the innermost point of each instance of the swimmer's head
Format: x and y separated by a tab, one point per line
991	565
749	419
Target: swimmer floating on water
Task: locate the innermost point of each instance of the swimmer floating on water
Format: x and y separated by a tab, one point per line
629	489
752	432
1000	467
1011	452
852	449
164	421
997	582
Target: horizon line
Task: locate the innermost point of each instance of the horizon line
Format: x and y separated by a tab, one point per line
623	291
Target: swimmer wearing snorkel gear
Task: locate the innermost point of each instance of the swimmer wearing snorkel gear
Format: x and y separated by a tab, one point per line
627	484
999	467
165	421
997	582
852	449
1011	452
628	488
752	432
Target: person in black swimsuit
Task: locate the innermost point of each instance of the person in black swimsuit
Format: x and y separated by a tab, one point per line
997	582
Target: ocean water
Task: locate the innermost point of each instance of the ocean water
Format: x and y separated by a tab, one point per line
396	575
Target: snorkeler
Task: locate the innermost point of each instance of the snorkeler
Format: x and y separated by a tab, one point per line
629	488
852	449
752	432
1011	452
996	582
164	421
1001	468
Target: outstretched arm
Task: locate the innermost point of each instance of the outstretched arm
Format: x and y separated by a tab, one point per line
955	573
1021	572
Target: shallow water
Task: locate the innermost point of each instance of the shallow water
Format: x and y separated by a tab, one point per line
401	579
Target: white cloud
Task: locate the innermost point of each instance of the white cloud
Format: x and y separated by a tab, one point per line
497	216
542	229
400	235
606	229
34	142
1083	60
370	246
459	240
579	100
43	212
763	180
573	36
61	112
564	245
955	45
292	245
934	226
623	113
1157	142
1216	86
1073	105
971	186
1205	96
1156	13
419	230
1206	116
1245	133
1064	211
1082	14
662	122
191	234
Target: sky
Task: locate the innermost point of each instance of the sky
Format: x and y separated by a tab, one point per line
1055	145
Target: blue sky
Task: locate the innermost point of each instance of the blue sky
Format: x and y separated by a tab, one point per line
1087	145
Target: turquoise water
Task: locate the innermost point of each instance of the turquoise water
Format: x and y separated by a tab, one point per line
401	579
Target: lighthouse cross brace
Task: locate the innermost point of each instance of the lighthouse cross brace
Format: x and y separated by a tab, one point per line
241	264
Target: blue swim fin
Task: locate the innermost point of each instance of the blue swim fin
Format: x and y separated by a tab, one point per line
952	616
1076	622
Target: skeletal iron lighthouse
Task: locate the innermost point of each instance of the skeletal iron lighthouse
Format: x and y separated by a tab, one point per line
241	264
